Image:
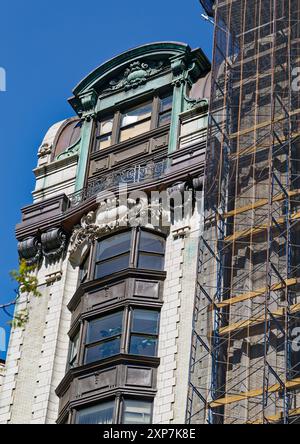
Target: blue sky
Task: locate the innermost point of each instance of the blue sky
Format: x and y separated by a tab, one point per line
46	49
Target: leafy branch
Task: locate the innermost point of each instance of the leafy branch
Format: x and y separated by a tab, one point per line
27	284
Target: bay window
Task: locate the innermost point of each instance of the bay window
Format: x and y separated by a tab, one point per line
105	335
145	250
132	411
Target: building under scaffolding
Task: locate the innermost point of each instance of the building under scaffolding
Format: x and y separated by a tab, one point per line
245	362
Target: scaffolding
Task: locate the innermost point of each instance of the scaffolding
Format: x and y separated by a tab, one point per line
245	362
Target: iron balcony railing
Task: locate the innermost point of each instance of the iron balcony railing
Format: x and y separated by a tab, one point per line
134	175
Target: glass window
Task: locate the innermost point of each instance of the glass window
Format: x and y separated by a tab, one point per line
135	121
165	112
104	337
103	350
151	243
104	136
144	332
83	271
151	251
136	412
73	351
98	414
113	254
145	321
112	266
114	245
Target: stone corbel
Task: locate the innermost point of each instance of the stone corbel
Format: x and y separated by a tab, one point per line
178	67
88	102
30	249
53	244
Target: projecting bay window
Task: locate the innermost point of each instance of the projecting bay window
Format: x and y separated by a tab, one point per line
131	331
127	123
116	411
131	249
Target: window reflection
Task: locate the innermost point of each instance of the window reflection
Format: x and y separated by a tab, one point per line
113	254
136	412
165	110
135	121
144	332
98	414
104	337
104	136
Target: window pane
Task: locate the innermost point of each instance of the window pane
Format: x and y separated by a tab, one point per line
150	261
145	321
98	414
105	126
135	130
102	350
113	246
73	350
152	243
84	270
104	141
136	412
166	103
137	113
143	345
105	327
111	266
165	118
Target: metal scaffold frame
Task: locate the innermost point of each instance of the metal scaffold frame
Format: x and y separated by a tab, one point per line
243	367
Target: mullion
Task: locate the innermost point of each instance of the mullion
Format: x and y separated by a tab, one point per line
100	341
112	257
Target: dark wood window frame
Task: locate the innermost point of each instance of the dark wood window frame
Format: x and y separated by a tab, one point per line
119	404
124	336
134	252
116	116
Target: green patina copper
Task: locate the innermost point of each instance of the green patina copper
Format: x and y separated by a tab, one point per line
134	73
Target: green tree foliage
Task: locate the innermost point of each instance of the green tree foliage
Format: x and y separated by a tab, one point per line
27	284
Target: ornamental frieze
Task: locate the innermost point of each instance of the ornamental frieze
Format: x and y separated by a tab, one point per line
135	75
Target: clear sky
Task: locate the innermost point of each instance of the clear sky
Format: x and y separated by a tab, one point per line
46	49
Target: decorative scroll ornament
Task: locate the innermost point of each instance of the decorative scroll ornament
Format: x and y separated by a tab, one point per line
53	243
50	245
135	75
30	249
111	215
44	150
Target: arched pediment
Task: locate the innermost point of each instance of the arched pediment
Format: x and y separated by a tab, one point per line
147	60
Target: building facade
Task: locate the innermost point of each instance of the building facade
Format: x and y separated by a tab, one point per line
109	340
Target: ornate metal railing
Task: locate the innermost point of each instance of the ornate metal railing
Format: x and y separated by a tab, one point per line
134	175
